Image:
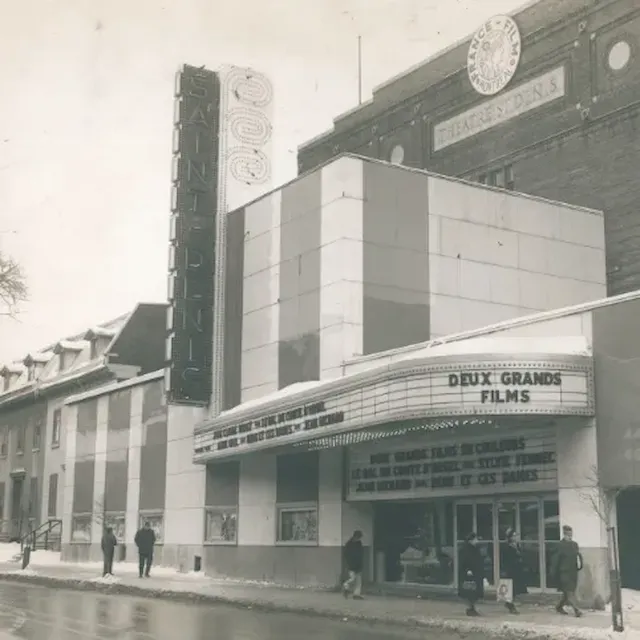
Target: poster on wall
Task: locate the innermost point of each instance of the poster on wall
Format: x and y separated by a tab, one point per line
478	465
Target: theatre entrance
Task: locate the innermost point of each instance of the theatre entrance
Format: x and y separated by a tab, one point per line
417	542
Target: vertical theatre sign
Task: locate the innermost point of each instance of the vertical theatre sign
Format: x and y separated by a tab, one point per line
192	236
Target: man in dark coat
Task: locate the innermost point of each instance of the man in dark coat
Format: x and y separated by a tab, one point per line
108	545
566	565
145	539
354	561
471	573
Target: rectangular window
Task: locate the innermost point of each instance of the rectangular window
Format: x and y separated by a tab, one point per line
52	508
81	527
297	498
298	523
4	442
62	361
20	438
94	349
509	181
6	383
37	433
2	488
221	501
156	520
56	428
31	373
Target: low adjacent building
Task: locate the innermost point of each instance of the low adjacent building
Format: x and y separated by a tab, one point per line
32	424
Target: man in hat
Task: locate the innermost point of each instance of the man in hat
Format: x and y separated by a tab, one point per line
566	565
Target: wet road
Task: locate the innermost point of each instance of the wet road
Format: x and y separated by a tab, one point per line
37	613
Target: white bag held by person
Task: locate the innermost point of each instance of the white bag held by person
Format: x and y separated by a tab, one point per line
505	590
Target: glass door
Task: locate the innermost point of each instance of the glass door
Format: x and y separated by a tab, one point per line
479	518
529	527
537	527
485	530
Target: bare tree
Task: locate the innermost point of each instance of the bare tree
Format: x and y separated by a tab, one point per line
602	499
13	285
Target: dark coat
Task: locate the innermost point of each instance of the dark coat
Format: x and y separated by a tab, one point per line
145	539
566	565
512	566
471	561
354	555
108	543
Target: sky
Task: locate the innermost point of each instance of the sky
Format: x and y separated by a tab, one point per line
86	119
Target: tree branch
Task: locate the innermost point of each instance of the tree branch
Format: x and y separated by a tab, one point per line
13	285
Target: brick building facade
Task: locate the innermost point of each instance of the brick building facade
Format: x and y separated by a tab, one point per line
572	132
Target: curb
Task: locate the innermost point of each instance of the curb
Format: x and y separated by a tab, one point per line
506	630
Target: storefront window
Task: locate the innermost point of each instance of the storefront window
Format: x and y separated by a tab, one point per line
156	522
81	528
117	522
298	524
221	525
415	543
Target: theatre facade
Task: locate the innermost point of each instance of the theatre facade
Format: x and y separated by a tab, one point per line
417	453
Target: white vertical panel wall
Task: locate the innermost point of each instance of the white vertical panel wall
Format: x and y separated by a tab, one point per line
69	428
184	497
100	471
341	264
133	469
257	500
261	292
496	255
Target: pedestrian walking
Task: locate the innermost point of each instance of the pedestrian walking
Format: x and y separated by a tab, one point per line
354	561
108	545
566	565
145	540
512	568
471	573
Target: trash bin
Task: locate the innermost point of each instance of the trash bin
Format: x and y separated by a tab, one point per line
26	556
121	553
197	563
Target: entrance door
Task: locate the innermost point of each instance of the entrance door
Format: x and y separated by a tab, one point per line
492	519
478	517
16	507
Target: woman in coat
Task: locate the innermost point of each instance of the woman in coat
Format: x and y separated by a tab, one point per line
512	567
471	573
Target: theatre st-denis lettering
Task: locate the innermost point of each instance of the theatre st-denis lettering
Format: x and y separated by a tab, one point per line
484	464
515	386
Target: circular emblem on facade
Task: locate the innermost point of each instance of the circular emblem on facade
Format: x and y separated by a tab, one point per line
494	54
619	55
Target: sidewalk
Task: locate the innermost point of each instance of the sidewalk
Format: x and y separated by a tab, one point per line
535	622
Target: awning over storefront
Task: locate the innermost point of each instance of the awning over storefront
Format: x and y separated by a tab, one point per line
424	393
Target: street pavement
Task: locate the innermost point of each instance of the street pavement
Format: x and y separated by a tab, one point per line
441	618
37	613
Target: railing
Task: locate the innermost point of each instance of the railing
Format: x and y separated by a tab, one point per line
43	532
